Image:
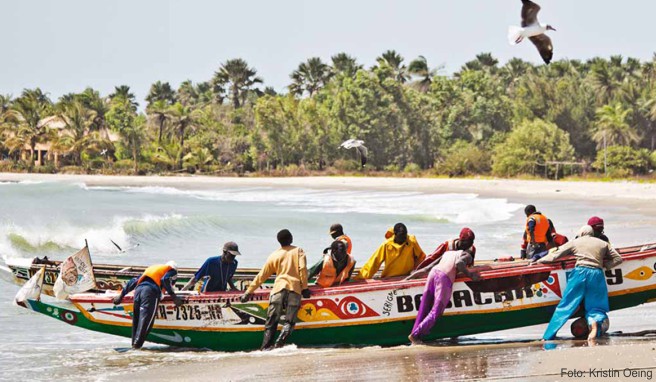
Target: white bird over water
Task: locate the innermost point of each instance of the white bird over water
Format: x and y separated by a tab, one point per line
534	30
358	145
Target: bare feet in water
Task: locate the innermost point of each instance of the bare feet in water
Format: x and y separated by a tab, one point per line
415	341
593	331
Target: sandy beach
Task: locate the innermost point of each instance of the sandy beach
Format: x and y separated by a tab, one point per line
620	359
621	190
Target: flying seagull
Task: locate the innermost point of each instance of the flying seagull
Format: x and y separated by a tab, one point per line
534	30
358	145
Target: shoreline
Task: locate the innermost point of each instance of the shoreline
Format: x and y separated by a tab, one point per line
632	195
550	189
444	361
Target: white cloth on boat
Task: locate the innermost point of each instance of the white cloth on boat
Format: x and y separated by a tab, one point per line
75	275
31	290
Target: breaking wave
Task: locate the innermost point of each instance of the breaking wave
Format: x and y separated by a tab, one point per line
455	208
126	232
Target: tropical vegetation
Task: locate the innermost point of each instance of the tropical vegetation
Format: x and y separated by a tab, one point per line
514	119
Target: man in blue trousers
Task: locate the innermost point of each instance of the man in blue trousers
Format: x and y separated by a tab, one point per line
147	295
586	281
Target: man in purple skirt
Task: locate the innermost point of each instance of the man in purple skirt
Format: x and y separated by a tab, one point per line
439	285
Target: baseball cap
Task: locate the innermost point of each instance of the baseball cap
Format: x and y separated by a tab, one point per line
232	248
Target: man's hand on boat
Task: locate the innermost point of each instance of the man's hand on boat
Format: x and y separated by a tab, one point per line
117	300
177	300
306	293
245	297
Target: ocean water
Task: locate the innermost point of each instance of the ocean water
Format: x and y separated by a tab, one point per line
157	224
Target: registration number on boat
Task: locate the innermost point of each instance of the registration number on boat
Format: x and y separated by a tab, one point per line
190	312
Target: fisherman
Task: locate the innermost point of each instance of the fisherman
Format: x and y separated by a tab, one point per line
465	241
337	233
147	295
335	267
439	284
597	225
538	233
586	282
220	270
401	254
289	264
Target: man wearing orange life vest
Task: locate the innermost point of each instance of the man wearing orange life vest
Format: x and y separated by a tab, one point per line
334	268
147	294
538	233
337	233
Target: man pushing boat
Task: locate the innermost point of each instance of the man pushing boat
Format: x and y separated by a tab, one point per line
290	266
586	282
454	256
147	294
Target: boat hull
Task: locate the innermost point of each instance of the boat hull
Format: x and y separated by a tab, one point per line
372	312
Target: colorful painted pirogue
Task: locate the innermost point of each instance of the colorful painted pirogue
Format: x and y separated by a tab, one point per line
373	312
108	277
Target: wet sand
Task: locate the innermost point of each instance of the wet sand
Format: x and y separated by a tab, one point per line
441	361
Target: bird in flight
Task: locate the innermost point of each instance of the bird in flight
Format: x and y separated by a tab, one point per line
359	146
534	30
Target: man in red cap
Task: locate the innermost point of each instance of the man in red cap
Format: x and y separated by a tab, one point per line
456	255
597	225
465	241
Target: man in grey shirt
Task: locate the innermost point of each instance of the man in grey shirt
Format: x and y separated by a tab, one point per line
586	281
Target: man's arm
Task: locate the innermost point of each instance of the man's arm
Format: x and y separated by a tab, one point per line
190	285
531	230
127	288
612	258
315	269
266	271
461	266
372	265
418	253
351	272
232	285
563	250
302	271
168	280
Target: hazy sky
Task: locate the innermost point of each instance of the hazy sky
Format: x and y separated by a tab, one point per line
66	45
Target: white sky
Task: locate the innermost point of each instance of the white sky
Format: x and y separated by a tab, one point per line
65	45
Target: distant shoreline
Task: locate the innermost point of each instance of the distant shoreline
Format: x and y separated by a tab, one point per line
624	191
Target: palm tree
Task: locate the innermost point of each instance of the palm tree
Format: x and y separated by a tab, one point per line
310	77
612	126
77	137
183	119
345	64
484	61
419	67
25	117
158	113
235	76
123	91
161	91
394	61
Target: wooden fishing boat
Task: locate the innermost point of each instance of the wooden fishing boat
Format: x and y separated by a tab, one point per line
108	276
371	312
113	277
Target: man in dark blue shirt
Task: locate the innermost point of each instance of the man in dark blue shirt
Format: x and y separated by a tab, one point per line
220	270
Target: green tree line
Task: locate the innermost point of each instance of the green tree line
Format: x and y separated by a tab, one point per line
486	118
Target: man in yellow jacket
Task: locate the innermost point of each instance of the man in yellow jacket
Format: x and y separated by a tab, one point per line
401	254
290	266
